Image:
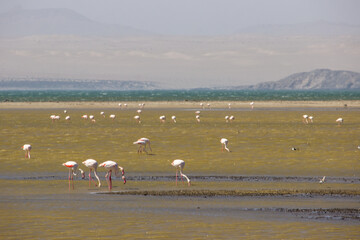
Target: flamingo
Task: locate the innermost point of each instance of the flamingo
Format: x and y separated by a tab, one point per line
142	145
231	118
201	105
174	119
197	112
102	113
227	118
65	111
162	118
339	121
120	105
73	168
138	111
125	105
54	117
112	166
311	119
224	143
84	116
67	118
91	117
27	149
305	119
229	105
92	165
197	118
112	116
252	105
179	165
147	142
137	118
208	105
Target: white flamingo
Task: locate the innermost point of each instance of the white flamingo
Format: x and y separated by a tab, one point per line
73	171
142	146
112	166
147	142
197	118
252	105
67	118
92	165
102	114
311	118
162	118
137	118
229	105
306	119
224	143
174	119
27	149
112	116
179	165
339	121
226	118
231	118
84	116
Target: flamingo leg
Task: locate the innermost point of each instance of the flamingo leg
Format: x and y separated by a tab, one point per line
69	178
72	180
110	185
176	177
89	177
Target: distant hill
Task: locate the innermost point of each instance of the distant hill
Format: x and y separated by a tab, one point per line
317	79
69	84
58	21
319	28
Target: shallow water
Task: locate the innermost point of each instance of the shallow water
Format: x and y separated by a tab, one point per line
36	201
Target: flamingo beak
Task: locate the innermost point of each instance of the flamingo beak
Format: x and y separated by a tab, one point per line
123	177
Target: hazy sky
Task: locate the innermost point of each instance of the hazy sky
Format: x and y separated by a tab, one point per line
202	16
187	61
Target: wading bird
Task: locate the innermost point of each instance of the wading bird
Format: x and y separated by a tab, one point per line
27	149
110	167
322	180
305	119
73	171
162	118
67	118
224	143
179	165
197	118
174	119
137	118
339	121
142	146
112	116
92	165
147	142
252	105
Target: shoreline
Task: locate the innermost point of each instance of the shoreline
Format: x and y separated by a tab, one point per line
351	104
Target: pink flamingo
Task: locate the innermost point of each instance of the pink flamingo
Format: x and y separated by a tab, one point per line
27	149
73	168
92	165
147	142
142	145
179	165
112	166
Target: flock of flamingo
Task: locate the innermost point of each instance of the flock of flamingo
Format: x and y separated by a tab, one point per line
111	166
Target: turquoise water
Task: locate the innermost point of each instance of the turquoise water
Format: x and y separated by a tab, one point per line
177	95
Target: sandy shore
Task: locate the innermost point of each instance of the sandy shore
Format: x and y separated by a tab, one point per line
182	104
